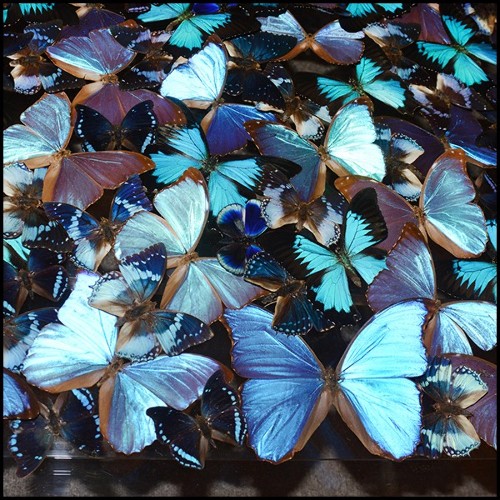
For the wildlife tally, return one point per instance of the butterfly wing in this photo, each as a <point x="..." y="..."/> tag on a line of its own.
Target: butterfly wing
<point x="452" y="219"/>
<point x="284" y="399"/>
<point x="129" y="199"/>
<point x="370" y="376"/>
<point x="95" y="130"/>
<point x="19" y="401"/>
<point x="138" y="128"/>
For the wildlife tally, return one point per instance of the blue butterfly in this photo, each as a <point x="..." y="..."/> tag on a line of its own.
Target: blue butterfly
<point x="409" y="274"/>
<point x="73" y="416"/>
<point x="348" y="148"/>
<point x="474" y="279"/>
<point x="19" y="400"/>
<point x="126" y="294"/>
<point x="40" y="273"/>
<point x="136" y="131"/>
<point x="199" y="82"/>
<point x="328" y="269"/>
<point x="459" y="56"/>
<point x="23" y="213"/>
<point x="294" y="313"/>
<point x="81" y="352"/>
<point x="199" y="286"/>
<point x="188" y="437"/>
<point x="94" y="239"/>
<point x="19" y="333"/>
<point x="453" y="389"/>
<point x="182" y="147"/>
<point x="370" y="76"/>
<point x="289" y="392"/>
<point x="240" y="226"/>
<point x="28" y="13"/>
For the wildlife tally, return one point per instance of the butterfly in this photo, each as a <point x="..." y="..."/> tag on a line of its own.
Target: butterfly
<point x="136" y="131"/>
<point x="19" y="332"/>
<point x="94" y="239"/>
<point x="282" y="204"/>
<point x="294" y="313"/>
<point x="400" y="152"/>
<point x="459" y="56"/>
<point x="199" y="82"/>
<point x="288" y="392"/>
<point x="446" y="211"/>
<point x="199" y="286"/>
<point x="361" y="14"/>
<point x="453" y="389"/>
<point x="84" y="355"/>
<point x="474" y="278"/>
<point x="188" y="437"/>
<point x="31" y="70"/>
<point x="371" y="76"/>
<point x="19" y="400"/>
<point x="97" y="57"/>
<point x="410" y="273"/>
<point x="308" y="118"/>
<point x="348" y="147"/>
<point x="330" y="42"/>
<point x="152" y="69"/>
<point x="327" y="270"/>
<point x="192" y="24"/>
<point x="181" y="147"/>
<point x="73" y="416"/>
<point x="248" y="55"/>
<point x="240" y="225"/>
<point x="127" y="294"/>
<point x="39" y="273"/>
<point x="45" y="134"/>
<point x="27" y="13"/>
<point x="23" y="214"/>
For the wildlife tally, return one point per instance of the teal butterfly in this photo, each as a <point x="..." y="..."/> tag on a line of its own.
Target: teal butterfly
<point x="459" y="56"/>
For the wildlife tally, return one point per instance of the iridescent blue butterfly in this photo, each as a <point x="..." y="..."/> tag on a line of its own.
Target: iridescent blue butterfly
<point x="188" y="437"/>
<point x="80" y="352"/>
<point x="473" y="278"/>
<point x="460" y="56"/>
<point x="181" y="147"/>
<point x="32" y="71"/>
<point x="370" y="76"/>
<point x="94" y="239"/>
<point x="19" y="400"/>
<point x="289" y="392"/>
<point x="26" y="13"/>
<point x="248" y="57"/>
<point x="135" y="133"/>
<point x="73" y="416"/>
<point x="199" y="286"/>
<point x="19" y="333"/>
<point x="362" y="14"/>
<point x="193" y="23"/>
<point x="199" y="82"/>
<point x="400" y="153"/>
<point x="326" y="38"/>
<point x="153" y="67"/>
<point x="328" y="269"/>
<point x="294" y="313"/>
<point x="240" y="226"/>
<point x="348" y="147"/>
<point x="40" y="273"/>
<point x="23" y="214"/>
<point x="409" y="274"/>
<point x="453" y="389"/>
<point x="127" y="294"/>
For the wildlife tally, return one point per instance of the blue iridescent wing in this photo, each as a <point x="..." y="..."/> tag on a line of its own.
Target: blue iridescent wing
<point x="281" y="398"/>
<point x="376" y="371"/>
<point x="129" y="199"/>
<point x="95" y="130"/>
<point x="181" y="433"/>
<point x="19" y="333"/>
<point x="19" y="400"/>
<point x="221" y="406"/>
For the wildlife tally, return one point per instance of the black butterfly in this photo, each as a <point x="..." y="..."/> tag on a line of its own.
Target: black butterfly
<point x="188" y="437"/>
<point x="136" y="131"/>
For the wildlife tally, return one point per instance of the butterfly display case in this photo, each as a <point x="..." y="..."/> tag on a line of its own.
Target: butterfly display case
<point x="249" y="241"/>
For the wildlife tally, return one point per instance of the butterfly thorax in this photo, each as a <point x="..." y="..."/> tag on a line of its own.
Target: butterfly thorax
<point x="356" y="86"/>
<point x="138" y="310"/>
<point x="204" y="426"/>
<point x="114" y="367"/>
<point x="246" y="64"/>
<point x="209" y="165"/>
<point x="25" y="277"/>
<point x="29" y="200"/>
<point x="331" y="379"/>
<point x="108" y="229"/>
<point x="349" y="268"/>
<point x="304" y="212"/>
<point x="186" y="259"/>
<point x="27" y="60"/>
<point x="292" y="287"/>
<point x="110" y="79"/>
<point x="393" y="53"/>
<point x="323" y="154"/>
<point x="450" y="409"/>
